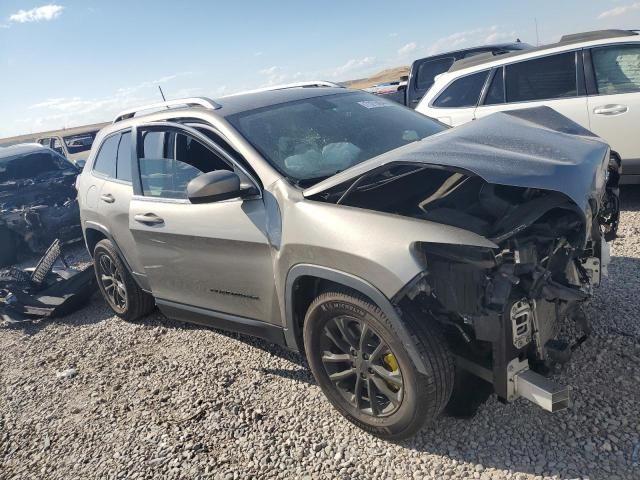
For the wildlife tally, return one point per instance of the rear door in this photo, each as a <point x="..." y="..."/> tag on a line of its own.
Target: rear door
<point x="456" y="104"/>
<point x="614" y="100"/>
<point x="213" y="256"/>
<point x="113" y="167"/>
<point x="556" y="81"/>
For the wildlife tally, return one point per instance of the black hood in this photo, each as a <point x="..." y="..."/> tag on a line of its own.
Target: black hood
<point x="531" y="148"/>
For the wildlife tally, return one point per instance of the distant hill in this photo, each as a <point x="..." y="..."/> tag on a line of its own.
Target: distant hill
<point x="388" y="75"/>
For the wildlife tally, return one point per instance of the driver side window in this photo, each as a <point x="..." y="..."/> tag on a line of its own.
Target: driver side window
<point x="170" y="160"/>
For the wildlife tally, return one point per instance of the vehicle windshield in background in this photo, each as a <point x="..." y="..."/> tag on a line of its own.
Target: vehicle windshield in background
<point x="312" y="139"/>
<point x="79" y="143"/>
<point x="31" y="165"/>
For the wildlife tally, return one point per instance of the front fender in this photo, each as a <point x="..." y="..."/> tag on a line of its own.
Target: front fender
<point x="353" y="282"/>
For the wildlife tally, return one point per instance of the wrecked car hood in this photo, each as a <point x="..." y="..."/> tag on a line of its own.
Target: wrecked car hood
<point x="530" y="148"/>
<point x="46" y="190"/>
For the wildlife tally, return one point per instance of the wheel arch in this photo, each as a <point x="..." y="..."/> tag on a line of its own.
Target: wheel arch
<point x="305" y="281"/>
<point x="92" y="236"/>
<point x="93" y="233"/>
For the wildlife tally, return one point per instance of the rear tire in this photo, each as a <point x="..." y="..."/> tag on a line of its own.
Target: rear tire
<point x="411" y="399"/>
<point x="119" y="289"/>
<point x="8" y="248"/>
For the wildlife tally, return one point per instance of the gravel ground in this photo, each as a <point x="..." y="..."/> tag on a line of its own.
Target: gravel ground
<point x="162" y="399"/>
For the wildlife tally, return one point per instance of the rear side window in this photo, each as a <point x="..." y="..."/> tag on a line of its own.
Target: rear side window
<point x="542" y="79"/>
<point x="106" y="160"/>
<point x="495" y="92"/>
<point x="617" y="69"/>
<point x="464" y="92"/>
<point x="427" y="71"/>
<point x="182" y="159"/>
<point x="123" y="168"/>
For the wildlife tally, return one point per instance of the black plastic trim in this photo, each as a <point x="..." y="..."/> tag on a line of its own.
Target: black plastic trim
<point x="589" y="74"/>
<point x="224" y="321"/>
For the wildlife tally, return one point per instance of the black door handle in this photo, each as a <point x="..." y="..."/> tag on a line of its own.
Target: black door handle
<point x="107" y="197"/>
<point x="148" y="219"/>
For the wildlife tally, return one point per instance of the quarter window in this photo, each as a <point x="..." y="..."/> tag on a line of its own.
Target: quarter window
<point x="183" y="159"/>
<point x="106" y="160"/>
<point x="617" y="69"/>
<point x="542" y="79"/>
<point x="123" y="168"/>
<point x="463" y="92"/>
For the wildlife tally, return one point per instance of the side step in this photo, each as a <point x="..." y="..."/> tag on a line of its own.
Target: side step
<point x="541" y="391"/>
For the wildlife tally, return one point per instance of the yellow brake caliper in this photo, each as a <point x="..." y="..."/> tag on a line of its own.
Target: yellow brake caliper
<point x="390" y="361"/>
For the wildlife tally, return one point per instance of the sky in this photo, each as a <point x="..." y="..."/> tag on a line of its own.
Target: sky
<point x="70" y="63"/>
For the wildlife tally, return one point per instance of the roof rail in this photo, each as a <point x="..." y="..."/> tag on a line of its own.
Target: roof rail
<point x="307" y="84"/>
<point x="564" y="41"/>
<point x="189" y="102"/>
<point x="595" y="35"/>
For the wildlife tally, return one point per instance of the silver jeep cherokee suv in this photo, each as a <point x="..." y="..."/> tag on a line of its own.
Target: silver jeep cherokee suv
<point x="412" y="263"/>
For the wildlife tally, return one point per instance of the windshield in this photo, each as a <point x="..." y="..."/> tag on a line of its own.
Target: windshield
<point x="312" y="139"/>
<point x="32" y="165"/>
<point x="79" y="143"/>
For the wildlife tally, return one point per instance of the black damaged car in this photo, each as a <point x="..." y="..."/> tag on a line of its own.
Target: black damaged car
<point x="37" y="200"/>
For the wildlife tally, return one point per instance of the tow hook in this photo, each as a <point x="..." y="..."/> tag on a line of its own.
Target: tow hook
<point x="523" y="382"/>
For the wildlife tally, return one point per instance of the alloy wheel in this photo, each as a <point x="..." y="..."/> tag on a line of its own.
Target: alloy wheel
<point x="112" y="282"/>
<point x="361" y="366"/>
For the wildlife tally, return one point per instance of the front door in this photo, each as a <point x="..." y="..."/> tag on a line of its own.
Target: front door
<point x="615" y="108"/>
<point x="214" y="256"/>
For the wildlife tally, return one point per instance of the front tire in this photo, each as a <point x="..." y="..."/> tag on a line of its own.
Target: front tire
<point x="365" y="371"/>
<point x="119" y="289"/>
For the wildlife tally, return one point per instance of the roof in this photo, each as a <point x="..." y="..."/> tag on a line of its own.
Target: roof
<point x="571" y="39"/>
<point x="488" y="48"/>
<point x="254" y="100"/>
<point x="20" y="149"/>
<point x="229" y="105"/>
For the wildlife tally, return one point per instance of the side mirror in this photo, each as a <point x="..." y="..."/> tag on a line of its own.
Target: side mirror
<point x="80" y="164"/>
<point x="214" y="186"/>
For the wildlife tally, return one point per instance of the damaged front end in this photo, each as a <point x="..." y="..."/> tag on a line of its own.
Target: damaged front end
<point x="513" y="311"/>
<point x="51" y="289"/>
<point x="517" y="307"/>
<point x="36" y="211"/>
<point x="37" y="225"/>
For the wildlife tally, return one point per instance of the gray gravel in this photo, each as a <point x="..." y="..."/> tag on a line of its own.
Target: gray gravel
<point x="91" y="396"/>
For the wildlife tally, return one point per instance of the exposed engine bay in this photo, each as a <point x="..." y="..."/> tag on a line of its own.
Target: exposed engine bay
<point x="37" y="210"/>
<point x="505" y="309"/>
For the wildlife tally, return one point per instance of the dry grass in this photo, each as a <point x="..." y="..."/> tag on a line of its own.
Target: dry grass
<point x="387" y="75"/>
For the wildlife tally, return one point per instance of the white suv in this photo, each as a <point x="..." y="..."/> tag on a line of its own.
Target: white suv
<point x="593" y="78"/>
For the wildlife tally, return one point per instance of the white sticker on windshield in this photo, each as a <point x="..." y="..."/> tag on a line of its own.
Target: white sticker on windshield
<point x="375" y="104"/>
